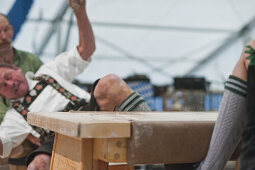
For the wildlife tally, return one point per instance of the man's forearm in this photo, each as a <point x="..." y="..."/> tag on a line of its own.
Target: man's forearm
<point x="86" y="45"/>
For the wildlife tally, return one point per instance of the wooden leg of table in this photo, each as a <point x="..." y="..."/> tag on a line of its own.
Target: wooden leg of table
<point x="237" y="165"/>
<point x="87" y="154"/>
<point x="100" y="165"/>
<point x="72" y="153"/>
<point x="111" y="150"/>
<point x="53" y="151"/>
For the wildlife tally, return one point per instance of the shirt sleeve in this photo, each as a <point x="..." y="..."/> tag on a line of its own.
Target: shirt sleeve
<point x="13" y="131"/>
<point x="68" y="65"/>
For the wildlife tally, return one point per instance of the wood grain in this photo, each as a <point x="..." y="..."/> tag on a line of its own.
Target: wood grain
<point x="108" y="124"/>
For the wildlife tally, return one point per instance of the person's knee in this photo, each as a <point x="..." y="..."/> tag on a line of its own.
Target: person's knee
<point x="110" y="91"/>
<point x="106" y="85"/>
<point x="108" y="81"/>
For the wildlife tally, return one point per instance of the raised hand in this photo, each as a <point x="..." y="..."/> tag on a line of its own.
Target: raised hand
<point x="77" y="4"/>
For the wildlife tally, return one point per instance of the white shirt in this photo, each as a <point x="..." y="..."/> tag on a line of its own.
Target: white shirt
<point x="14" y="128"/>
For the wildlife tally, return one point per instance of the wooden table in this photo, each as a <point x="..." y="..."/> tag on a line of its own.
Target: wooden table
<point x="90" y="140"/>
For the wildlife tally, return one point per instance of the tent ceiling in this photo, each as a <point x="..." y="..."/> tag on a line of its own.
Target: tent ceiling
<point x="159" y="38"/>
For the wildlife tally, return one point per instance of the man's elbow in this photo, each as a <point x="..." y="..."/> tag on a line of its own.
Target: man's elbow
<point x="86" y="54"/>
<point x="92" y="50"/>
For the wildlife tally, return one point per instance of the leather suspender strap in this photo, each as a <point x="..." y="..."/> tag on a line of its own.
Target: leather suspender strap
<point x="22" y="108"/>
<point x="51" y="81"/>
<point x="45" y="80"/>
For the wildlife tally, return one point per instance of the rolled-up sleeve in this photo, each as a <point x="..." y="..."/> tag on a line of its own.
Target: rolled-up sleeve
<point x="68" y="65"/>
<point x="7" y="146"/>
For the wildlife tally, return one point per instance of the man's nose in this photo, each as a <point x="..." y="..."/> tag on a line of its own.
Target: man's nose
<point x="9" y="83"/>
<point x="2" y="35"/>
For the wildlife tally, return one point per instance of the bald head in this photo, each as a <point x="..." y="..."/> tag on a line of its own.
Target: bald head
<point x="4" y="17"/>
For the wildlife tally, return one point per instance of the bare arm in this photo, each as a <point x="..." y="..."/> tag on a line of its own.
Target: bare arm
<point x="241" y="67"/>
<point x="86" y="45"/>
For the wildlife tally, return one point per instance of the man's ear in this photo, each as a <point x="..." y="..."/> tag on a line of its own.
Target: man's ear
<point x="2" y="95"/>
<point x="12" y="30"/>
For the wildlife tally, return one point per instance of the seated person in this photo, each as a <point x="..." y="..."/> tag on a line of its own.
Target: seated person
<point x="247" y="152"/>
<point x="232" y="117"/>
<point x="50" y="89"/>
<point x="231" y="120"/>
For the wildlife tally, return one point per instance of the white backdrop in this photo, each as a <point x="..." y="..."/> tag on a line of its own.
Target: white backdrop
<point x="159" y="38"/>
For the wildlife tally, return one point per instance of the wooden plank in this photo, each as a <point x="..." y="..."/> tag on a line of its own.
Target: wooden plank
<point x="110" y="150"/>
<point x="108" y="124"/>
<point x="100" y="165"/>
<point x="87" y="154"/>
<point x="105" y="130"/>
<point x="56" y="124"/>
<point x="237" y="165"/>
<point x="62" y="163"/>
<point x="82" y="125"/>
<point x="54" y="151"/>
<point x="72" y="153"/>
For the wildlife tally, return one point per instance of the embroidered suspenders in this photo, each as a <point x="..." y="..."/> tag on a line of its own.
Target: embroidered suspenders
<point x="22" y="108"/>
<point x="51" y="81"/>
<point x="45" y="80"/>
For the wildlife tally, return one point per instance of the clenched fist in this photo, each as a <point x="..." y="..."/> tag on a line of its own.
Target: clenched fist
<point x="76" y="4"/>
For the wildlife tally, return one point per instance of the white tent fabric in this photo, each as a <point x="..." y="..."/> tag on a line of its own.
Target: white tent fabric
<point x="159" y="38"/>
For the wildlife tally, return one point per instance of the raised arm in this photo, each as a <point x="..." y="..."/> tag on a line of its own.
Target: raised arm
<point x="86" y="45"/>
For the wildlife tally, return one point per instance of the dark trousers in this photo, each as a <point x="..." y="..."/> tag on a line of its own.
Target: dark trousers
<point x="186" y="166"/>
<point x="247" y="153"/>
<point x="247" y="156"/>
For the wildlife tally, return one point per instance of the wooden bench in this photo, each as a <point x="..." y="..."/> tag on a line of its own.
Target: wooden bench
<point x="92" y="140"/>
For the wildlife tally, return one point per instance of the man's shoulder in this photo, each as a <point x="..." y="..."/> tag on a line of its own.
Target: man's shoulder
<point x="26" y="61"/>
<point x="22" y="53"/>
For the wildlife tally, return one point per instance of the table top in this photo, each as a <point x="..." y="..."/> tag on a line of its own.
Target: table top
<point x="109" y="124"/>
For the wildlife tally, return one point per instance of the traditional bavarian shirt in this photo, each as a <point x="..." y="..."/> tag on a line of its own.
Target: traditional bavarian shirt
<point x="64" y="68"/>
